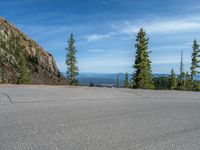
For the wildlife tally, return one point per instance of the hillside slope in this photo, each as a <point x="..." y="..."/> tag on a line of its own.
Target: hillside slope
<point x="41" y="64"/>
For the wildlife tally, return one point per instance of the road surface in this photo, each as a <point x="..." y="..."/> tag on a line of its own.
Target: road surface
<point x="83" y="118"/>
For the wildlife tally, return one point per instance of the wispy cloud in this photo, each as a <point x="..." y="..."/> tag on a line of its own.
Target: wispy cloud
<point x="172" y="47"/>
<point x="95" y="50"/>
<point x="153" y="26"/>
<point x="97" y="37"/>
<point x="161" y="26"/>
<point x="167" y="60"/>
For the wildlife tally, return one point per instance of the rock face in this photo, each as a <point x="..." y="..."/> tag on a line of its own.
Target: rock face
<point x="40" y="63"/>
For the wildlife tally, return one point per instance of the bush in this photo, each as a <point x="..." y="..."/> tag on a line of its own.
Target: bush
<point x="198" y="87"/>
<point x="161" y="83"/>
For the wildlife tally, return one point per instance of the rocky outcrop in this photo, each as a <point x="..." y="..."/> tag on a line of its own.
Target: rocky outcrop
<point x="40" y="63"/>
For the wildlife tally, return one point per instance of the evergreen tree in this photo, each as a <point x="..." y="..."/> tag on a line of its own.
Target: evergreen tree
<point x="188" y="82"/>
<point x="173" y="82"/>
<point x="126" y="81"/>
<point x="181" y="79"/>
<point x="143" y="73"/>
<point x="181" y="64"/>
<point x="161" y="83"/>
<point x="194" y="59"/>
<point x="24" y="73"/>
<point x="91" y="84"/>
<point x="71" y="62"/>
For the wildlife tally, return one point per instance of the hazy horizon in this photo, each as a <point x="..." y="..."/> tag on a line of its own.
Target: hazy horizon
<point x="105" y="30"/>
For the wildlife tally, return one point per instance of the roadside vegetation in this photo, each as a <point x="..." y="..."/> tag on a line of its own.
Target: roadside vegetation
<point x="11" y="52"/>
<point x="13" y="57"/>
<point x="142" y="76"/>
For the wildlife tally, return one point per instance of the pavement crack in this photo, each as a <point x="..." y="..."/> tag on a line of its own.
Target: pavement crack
<point x="9" y="98"/>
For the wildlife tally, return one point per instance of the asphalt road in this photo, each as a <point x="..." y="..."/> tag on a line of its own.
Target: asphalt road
<point x="83" y="118"/>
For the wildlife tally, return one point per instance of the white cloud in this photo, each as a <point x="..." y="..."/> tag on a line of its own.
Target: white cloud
<point x="169" y="60"/>
<point x="161" y="26"/>
<point x="128" y="28"/>
<point x="96" y="50"/>
<point x="153" y="26"/>
<point x="172" y="47"/>
<point x="96" y="37"/>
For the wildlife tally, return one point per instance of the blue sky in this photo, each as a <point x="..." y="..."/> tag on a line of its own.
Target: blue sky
<point x="105" y="30"/>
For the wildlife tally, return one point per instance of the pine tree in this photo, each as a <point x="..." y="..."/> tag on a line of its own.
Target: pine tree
<point x="71" y="62"/>
<point x="143" y="73"/>
<point x="91" y="84"/>
<point x="162" y="82"/>
<point x="24" y="73"/>
<point x="181" y="64"/>
<point x="194" y="59"/>
<point x="188" y="82"/>
<point x="181" y="79"/>
<point x="173" y="82"/>
<point x="126" y="81"/>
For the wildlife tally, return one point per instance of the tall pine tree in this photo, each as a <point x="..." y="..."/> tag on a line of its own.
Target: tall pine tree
<point x="71" y="62"/>
<point x="172" y="80"/>
<point x="143" y="73"/>
<point x="181" y="79"/>
<point x="188" y="82"/>
<point x="194" y="65"/>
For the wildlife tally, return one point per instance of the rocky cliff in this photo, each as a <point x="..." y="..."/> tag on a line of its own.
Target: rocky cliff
<point x="41" y="64"/>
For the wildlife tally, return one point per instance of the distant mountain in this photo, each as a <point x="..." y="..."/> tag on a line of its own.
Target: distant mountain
<point x="105" y="79"/>
<point x="38" y="62"/>
<point x="108" y="79"/>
